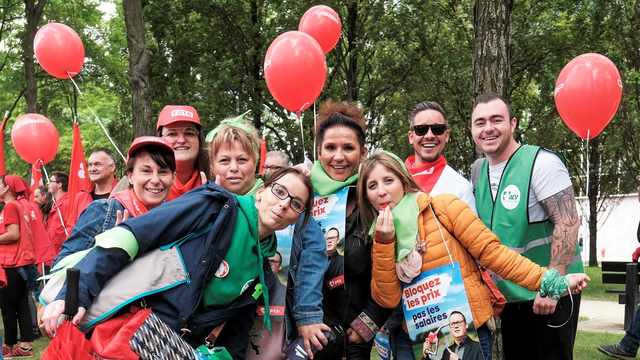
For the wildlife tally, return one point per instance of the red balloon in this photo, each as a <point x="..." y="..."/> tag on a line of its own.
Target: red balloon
<point x="59" y="50"/>
<point x="35" y="138"/>
<point x="587" y="94"/>
<point x="295" y="70"/>
<point x="323" y="24"/>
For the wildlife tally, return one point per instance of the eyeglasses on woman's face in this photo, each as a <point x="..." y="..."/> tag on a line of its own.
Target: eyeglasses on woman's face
<point x="282" y="193"/>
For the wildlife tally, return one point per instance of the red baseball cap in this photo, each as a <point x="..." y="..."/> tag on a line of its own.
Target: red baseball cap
<point x="147" y="141"/>
<point x="175" y="113"/>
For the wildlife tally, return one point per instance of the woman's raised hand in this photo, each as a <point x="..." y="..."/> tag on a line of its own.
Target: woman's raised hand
<point x="385" y="230"/>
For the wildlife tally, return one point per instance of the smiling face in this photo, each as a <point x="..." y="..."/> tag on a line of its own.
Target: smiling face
<point x="275" y="213"/>
<point x="99" y="167"/>
<point x="235" y="167"/>
<point x="492" y="130"/>
<point x="340" y="153"/>
<point x="151" y="183"/>
<point x="428" y="148"/>
<point x="185" y="148"/>
<point x="384" y="188"/>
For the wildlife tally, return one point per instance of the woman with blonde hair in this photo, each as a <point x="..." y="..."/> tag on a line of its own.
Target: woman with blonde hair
<point x="437" y="231"/>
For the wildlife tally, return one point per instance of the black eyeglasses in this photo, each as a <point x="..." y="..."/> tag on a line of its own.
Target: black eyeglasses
<point x="282" y="193"/>
<point x="436" y="129"/>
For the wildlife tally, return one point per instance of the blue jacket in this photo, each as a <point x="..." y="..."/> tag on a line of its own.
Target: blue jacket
<point x="307" y="264"/>
<point x="179" y="306"/>
<point x="98" y="217"/>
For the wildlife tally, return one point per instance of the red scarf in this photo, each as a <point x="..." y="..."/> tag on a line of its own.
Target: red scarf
<point x="131" y="203"/>
<point x="428" y="174"/>
<point x="178" y="189"/>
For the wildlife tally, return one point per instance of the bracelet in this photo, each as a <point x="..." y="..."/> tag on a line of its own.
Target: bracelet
<point x="383" y="242"/>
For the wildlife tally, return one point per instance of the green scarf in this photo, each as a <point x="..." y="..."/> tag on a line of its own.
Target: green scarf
<point x="405" y="221"/>
<point x="236" y="121"/>
<point x="323" y="184"/>
<point x="245" y="244"/>
<point x="254" y="189"/>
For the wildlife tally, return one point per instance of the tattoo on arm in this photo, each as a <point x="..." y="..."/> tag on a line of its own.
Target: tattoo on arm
<point x="561" y="210"/>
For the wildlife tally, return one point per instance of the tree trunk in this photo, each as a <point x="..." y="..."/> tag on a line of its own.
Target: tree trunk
<point x="594" y="161"/>
<point x="138" y="73"/>
<point x="492" y="71"/>
<point x="492" y="47"/>
<point x="33" y="14"/>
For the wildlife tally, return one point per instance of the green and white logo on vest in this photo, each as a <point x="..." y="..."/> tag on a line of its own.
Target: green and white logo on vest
<point x="510" y="197"/>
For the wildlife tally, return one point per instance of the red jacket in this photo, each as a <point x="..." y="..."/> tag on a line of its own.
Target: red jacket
<point x="84" y="198"/>
<point x="19" y="253"/>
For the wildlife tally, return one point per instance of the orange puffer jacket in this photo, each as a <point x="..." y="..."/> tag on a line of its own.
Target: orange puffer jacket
<point x="457" y="221"/>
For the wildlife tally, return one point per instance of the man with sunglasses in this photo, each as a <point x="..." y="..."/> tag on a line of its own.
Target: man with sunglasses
<point x="525" y="196"/>
<point x="428" y="134"/>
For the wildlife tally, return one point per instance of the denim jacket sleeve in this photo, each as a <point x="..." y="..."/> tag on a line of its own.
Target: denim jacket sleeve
<point x="307" y="266"/>
<point x="97" y="218"/>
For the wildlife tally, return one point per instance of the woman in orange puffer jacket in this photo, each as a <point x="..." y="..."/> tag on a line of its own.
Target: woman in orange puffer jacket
<point x="447" y="231"/>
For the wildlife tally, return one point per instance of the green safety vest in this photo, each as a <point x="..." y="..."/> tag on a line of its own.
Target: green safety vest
<point x="508" y="218"/>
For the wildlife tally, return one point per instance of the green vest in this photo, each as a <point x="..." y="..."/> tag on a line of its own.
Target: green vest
<point x="508" y="217"/>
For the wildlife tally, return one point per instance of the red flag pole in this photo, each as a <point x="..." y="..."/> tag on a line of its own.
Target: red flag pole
<point x="263" y="154"/>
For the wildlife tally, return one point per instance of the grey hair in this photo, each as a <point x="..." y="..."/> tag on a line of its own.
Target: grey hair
<point x="285" y="157"/>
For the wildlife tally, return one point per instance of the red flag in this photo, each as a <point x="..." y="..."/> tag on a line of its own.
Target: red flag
<point x="3" y="170"/>
<point x="263" y="154"/>
<point x="36" y="178"/>
<point x="78" y="169"/>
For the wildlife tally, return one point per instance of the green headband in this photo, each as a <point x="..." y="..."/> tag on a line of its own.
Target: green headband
<point x="398" y="159"/>
<point x="236" y="122"/>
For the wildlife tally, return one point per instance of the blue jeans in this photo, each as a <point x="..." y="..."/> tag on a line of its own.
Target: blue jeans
<point x="631" y="340"/>
<point x="404" y="349"/>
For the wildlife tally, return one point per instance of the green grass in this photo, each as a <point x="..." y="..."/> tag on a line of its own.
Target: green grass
<point x="38" y="346"/>
<point x="596" y="289"/>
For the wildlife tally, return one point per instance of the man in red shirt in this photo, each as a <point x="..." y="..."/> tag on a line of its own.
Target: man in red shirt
<point x="58" y="217"/>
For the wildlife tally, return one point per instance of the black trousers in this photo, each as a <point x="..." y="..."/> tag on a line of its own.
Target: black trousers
<point x="526" y="335"/>
<point x="15" y="308"/>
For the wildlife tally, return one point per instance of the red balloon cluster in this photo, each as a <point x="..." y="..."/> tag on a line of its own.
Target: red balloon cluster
<point x="295" y="68"/>
<point x="59" y="50"/>
<point x="35" y="138"/>
<point x="587" y="94"/>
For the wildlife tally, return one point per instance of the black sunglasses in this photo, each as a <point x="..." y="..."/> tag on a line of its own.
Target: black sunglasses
<point x="436" y="129"/>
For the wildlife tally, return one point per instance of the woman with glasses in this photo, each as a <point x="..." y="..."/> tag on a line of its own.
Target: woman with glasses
<point x="213" y="249"/>
<point x="234" y="156"/>
<point x="444" y="230"/>
<point x="151" y="172"/>
<point x="180" y="126"/>
<point x="351" y="312"/>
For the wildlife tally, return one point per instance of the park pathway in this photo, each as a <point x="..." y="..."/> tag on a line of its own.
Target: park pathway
<point x="602" y="316"/>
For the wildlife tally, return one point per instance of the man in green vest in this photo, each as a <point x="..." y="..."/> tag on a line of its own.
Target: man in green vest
<point x="524" y="195"/>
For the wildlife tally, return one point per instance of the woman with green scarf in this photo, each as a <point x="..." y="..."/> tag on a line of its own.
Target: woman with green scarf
<point x="233" y="150"/>
<point x="349" y="310"/>
<point x="414" y="232"/>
